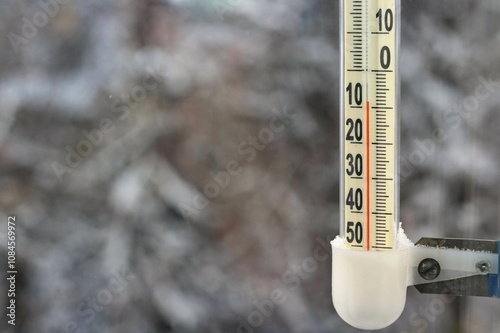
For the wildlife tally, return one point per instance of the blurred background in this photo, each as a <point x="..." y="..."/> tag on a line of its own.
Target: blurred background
<point x="174" y="164"/>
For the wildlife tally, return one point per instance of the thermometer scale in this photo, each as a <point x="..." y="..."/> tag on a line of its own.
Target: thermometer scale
<point x="369" y="114"/>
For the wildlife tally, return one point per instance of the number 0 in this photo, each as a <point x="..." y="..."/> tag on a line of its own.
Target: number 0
<point x="385" y="57"/>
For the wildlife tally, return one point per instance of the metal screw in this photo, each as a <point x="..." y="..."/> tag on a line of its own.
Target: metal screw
<point x="483" y="266"/>
<point x="429" y="269"/>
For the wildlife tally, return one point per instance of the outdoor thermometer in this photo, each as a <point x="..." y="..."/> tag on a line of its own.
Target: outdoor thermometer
<point x="369" y="114"/>
<point x="373" y="261"/>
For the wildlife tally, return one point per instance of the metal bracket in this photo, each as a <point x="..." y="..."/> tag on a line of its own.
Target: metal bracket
<point x="460" y="267"/>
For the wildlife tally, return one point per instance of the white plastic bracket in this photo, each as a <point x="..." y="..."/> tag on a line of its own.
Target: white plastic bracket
<point x="369" y="287"/>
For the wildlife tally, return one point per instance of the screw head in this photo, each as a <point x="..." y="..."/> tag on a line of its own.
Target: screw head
<point x="483" y="266"/>
<point x="429" y="269"/>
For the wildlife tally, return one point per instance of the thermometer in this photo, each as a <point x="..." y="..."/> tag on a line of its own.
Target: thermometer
<point x="369" y="114"/>
<point x="373" y="262"/>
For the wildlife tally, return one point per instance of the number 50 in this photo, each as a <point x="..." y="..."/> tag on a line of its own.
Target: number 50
<point x="354" y="232"/>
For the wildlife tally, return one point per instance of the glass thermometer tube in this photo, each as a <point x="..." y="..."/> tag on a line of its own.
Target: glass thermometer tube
<point x="369" y="123"/>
